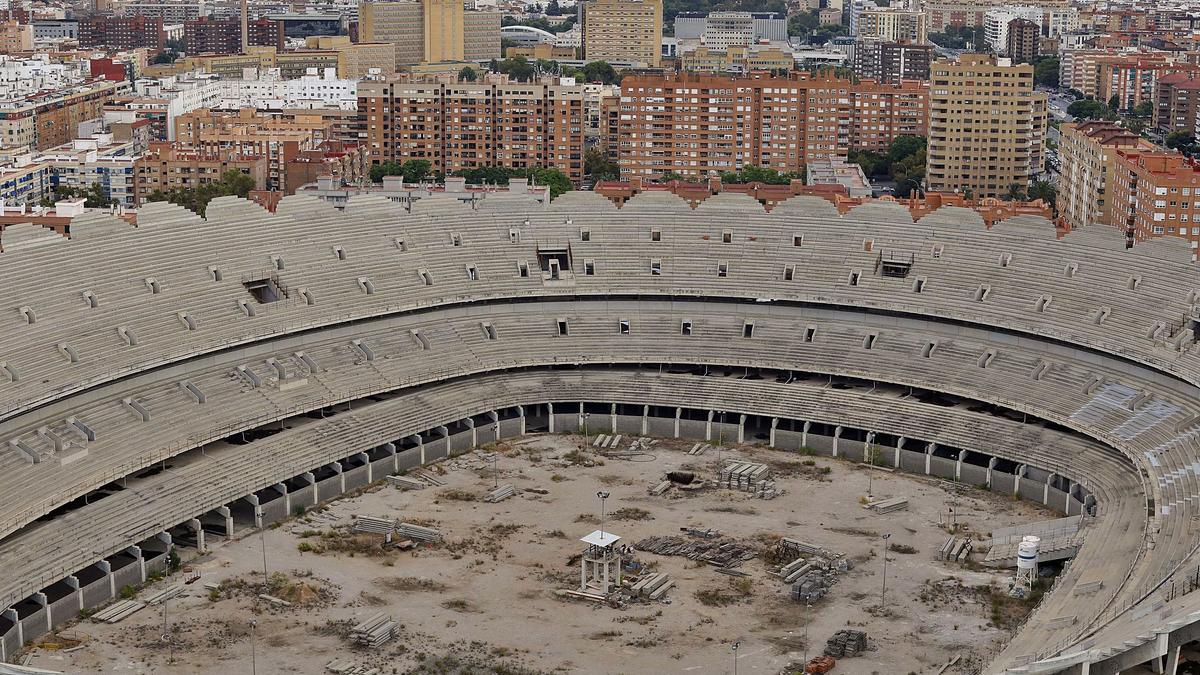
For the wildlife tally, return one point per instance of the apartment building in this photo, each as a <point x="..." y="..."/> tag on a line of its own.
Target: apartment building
<point x="971" y="13"/>
<point x="997" y="20"/>
<point x="1176" y="102"/>
<point x="213" y="134"/>
<point x="891" y="24"/>
<point x="470" y="125"/>
<point x="1157" y="195"/>
<point x="1088" y="151"/>
<point x="425" y="31"/>
<point x="132" y="32"/>
<point x="224" y="36"/>
<point x="47" y="119"/>
<point x="15" y="37"/>
<point x="1021" y="42"/>
<point x="695" y="124"/>
<point x="741" y="59"/>
<point x="628" y="31"/>
<point x="891" y="62"/>
<point x="166" y="167"/>
<point x="1130" y="78"/>
<point x="357" y="59"/>
<point x="987" y="126"/>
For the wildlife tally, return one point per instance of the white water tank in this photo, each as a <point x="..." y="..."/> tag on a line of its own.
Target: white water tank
<point x="1027" y="552"/>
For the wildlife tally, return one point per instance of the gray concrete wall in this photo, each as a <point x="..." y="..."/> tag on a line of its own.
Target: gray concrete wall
<point x="356" y="478"/>
<point x="156" y="564"/>
<point x="690" y="429"/>
<point x="725" y="433"/>
<point x="939" y="466"/>
<point x="787" y="440"/>
<point x="11" y="642"/>
<point x="96" y="592"/>
<point x="822" y="445"/>
<point x="382" y="467"/>
<point x="409" y="459"/>
<point x="1002" y="483"/>
<point x="329" y="488"/>
<point x="437" y="449"/>
<point x="975" y="475"/>
<point x="627" y="425"/>
<point x="1058" y="500"/>
<point x="510" y="428"/>
<point x="64" y="610"/>
<point x="34" y="625"/>
<point x="568" y="421"/>
<point x="661" y="427"/>
<point x="460" y="442"/>
<point x="913" y="462"/>
<point x="275" y="511"/>
<point x="129" y="575"/>
<point x="1031" y="490"/>
<point x="302" y="497"/>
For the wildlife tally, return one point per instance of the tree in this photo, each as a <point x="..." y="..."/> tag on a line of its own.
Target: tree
<point x="1045" y="72"/>
<point x="597" y="165"/>
<point x="556" y="180"/>
<point x="755" y="174"/>
<point x="552" y="8"/>
<point x="601" y="71"/>
<point x="904" y="147"/>
<point x="1043" y="190"/>
<point x="1089" y="109"/>
<point x="802" y="24"/>
<point x="827" y="32"/>
<point x="415" y="170"/>
<point x="232" y="182"/>
<point x="176" y="45"/>
<point x="1114" y="102"/>
<point x="959" y="37"/>
<point x="1143" y="109"/>
<point x="467" y="74"/>
<point x="518" y="68"/>
<point x="165" y="56"/>
<point x="1016" y="193"/>
<point x="872" y="163"/>
<point x="1180" y="140"/>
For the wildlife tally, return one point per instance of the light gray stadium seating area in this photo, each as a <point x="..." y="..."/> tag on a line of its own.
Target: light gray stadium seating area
<point x="344" y="345"/>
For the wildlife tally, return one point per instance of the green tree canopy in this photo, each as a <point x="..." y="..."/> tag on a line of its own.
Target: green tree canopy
<point x="756" y="174"/>
<point x="1045" y="72"/>
<point x="1043" y="190"/>
<point x="232" y="182"/>
<point x="597" y="165"/>
<point x="1089" y="109"/>
<point x="467" y="74"/>
<point x="556" y="180"/>
<point x="1180" y="140"/>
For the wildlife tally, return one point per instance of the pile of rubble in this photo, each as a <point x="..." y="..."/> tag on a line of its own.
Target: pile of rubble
<point x="720" y="553"/>
<point x="846" y="642"/>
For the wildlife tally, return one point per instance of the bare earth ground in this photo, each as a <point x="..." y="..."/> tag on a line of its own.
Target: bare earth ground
<point x="486" y="596"/>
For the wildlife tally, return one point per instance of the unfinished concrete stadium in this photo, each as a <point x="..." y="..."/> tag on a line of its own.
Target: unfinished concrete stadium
<point x="1063" y="370"/>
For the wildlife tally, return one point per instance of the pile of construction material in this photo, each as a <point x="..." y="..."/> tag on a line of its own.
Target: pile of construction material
<point x="812" y="572"/>
<point x="748" y="477"/>
<point x="474" y="461"/>
<point x="846" y="642"/>
<point x="426" y="476"/>
<point x="406" y="483"/>
<point x="375" y="631"/>
<point x="888" y="505"/>
<point x="117" y="611"/>
<point x="374" y="525"/>
<point x="718" y="553"/>
<point x="606" y="441"/>
<point x="706" y="533"/>
<point x="349" y="668"/>
<point x="794" y="548"/>
<point x="699" y="448"/>
<point x="500" y="494"/>
<point x="164" y="594"/>
<point x="653" y="586"/>
<point x="955" y="550"/>
<point x="811" y="587"/>
<point x="660" y="487"/>
<point x="419" y="533"/>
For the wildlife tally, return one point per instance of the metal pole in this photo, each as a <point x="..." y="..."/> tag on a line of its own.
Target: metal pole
<point x="495" y="469"/>
<point x="883" y="594"/>
<point x="262" y="535"/>
<point x="603" y="496"/>
<point x="253" y="660"/>
<point x="735" y="650"/>
<point x="807" y="618"/>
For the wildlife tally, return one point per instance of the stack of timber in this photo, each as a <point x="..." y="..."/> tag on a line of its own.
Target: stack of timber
<point x="718" y="553"/>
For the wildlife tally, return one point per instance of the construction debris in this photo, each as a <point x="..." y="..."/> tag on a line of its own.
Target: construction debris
<point x="955" y="550"/>
<point x="813" y="570"/>
<point x="846" y="642"/>
<point x="349" y="668"/>
<point x="718" y="553"/>
<point x="660" y="488"/>
<point x="375" y="631"/>
<point x="888" y="505"/>
<point x="698" y="449"/>
<point x="117" y="611"/>
<point x="428" y="477"/>
<point x="406" y="483"/>
<point x="374" y="525"/>
<point x="279" y="602"/>
<point x="707" y="533"/>
<point x="748" y="477"/>
<point x="653" y="586"/>
<point x="164" y="594"/>
<point x="500" y="494"/>
<point x="410" y="531"/>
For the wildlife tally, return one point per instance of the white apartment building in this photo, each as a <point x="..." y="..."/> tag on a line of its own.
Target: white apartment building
<point x="996" y="20"/>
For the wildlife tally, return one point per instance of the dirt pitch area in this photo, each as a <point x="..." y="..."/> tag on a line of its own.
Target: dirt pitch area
<point x="484" y="600"/>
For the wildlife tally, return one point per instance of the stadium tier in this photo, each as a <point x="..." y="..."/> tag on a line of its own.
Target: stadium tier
<point x="274" y="360"/>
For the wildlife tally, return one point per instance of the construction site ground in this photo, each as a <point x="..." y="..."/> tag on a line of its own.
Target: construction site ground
<point x="485" y="597"/>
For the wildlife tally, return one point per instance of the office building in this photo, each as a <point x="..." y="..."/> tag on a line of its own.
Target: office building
<point x="721" y="30"/>
<point x="628" y="31"/>
<point x="695" y="124"/>
<point x="472" y="125"/>
<point x="357" y="59"/>
<point x="987" y="126"/>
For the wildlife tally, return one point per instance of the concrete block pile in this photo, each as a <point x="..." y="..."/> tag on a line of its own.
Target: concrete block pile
<point x="846" y="642"/>
<point x="748" y="477"/>
<point x="375" y="631"/>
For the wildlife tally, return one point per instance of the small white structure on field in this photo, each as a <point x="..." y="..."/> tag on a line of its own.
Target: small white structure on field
<point x="600" y="566"/>
<point x="1027" y="561"/>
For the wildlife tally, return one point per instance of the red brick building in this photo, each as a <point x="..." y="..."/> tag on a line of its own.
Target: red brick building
<point x="1176" y="100"/>
<point x="217" y="36"/>
<point x="130" y="32"/>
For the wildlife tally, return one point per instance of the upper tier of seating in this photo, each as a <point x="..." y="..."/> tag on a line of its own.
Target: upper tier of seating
<point x="116" y="300"/>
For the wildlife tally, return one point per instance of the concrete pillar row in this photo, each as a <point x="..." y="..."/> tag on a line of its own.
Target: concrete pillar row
<point x="225" y="513"/>
<point x="281" y="488"/>
<point x="40" y="599"/>
<point x="11" y="615"/>
<point x="312" y="481"/>
<point x="837" y="437"/>
<point x="366" y="460"/>
<point x="896" y="454"/>
<point x="197" y="528"/>
<point x="804" y="434"/>
<point x="990" y="468"/>
<point x="470" y="422"/>
<point x="612" y="417"/>
<point x="678" y="416"/>
<point x="962" y="455"/>
<point x="421" y="445"/>
<point x="445" y="432"/>
<point x="645" y="420"/>
<point x="741" y="429"/>
<point x="774" y="425"/>
<point x="256" y="505"/>
<point x="136" y="552"/>
<point x="929" y="448"/>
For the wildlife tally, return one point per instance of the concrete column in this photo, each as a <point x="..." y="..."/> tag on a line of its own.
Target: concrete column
<point x="445" y="432"/>
<point x="287" y="498"/>
<point x="257" y="506"/>
<point x="837" y="436"/>
<point x="40" y="599"/>
<point x="470" y="422"/>
<point x="225" y="513"/>
<point x="645" y="419"/>
<point x="312" y="480"/>
<point x="73" y="582"/>
<point x="991" y="467"/>
<point x="366" y="460"/>
<point x="421" y="445"/>
<point x="136" y="552"/>
<point x="962" y="455"/>
<point x="678" y="416"/>
<point x="867" y="443"/>
<point x="550" y="413"/>
<point x="521" y="412"/>
<point x="804" y="434"/>
<point x="741" y="429"/>
<point x="612" y="415"/>
<point x="1017" y="476"/>
<point x="11" y="615"/>
<point x="391" y="449"/>
<point x="194" y="523"/>
<point x="774" y="424"/>
<point x="106" y="568"/>
<point x="929" y="456"/>
<point x="708" y="426"/>
<point x="1046" y="490"/>
<point x="1172" y="665"/>
<point x="583" y="573"/>
<point x="341" y="475"/>
<point x="896" y="455"/>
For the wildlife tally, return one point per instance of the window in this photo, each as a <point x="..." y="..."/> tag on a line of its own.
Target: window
<point x="656" y="235"/>
<point x="919" y="285"/>
<point x="685" y="328"/>
<point x="585" y="235"/>
<point x="797" y="240"/>
<point x="523" y="269"/>
<point x="277" y="260"/>
<point x="426" y="277"/>
<point x="982" y="293"/>
<point x="214" y="273"/>
<point x="264" y="290"/>
<point x="400" y="245"/>
<point x="514" y="235"/>
<point x="589" y="268"/>
<point x="727" y="236"/>
<point x="722" y="269"/>
<point x="472" y="273"/>
<point x="455" y="239"/>
<point x="656" y="267"/>
<point x="854" y="277"/>
<point x="562" y="327"/>
<point x="869" y="340"/>
<point x="748" y="329"/>
<point x="623" y="326"/>
<point x="789" y="271"/>
<point x="339" y="252"/>
<point x="810" y="333"/>
<point x="489" y="331"/>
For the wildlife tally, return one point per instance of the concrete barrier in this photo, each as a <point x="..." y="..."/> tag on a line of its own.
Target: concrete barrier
<point x="356" y="478"/>
<point x="912" y="462"/>
<point x="97" y="592"/>
<point x="409" y="459"/>
<point x="34" y="624"/>
<point x="975" y="475"/>
<point x="941" y="467"/>
<point x="64" y="609"/>
<point x="329" y="488"/>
